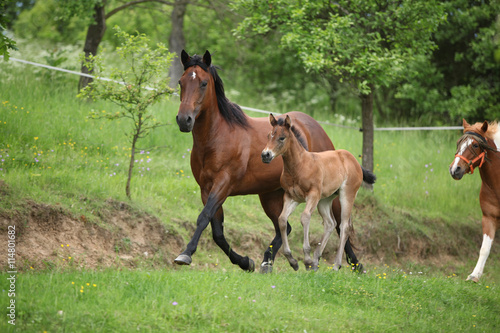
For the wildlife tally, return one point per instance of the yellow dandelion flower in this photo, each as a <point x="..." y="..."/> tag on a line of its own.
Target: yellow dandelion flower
<point x="72" y="282"/>
<point x="88" y="284"/>
<point x="36" y="138"/>
<point x="81" y="290"/>
<point x="62" y="245"/>
<point x="94" y="285"/>
<point x="69" y="258"/>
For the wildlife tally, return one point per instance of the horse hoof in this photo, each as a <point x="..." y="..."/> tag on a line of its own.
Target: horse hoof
<point x="472" y="278"/>
<point x="183" y="259"/>
<point x="251" y="266"/>
<point x="295" y="266"/>
<point x="357" y="268"/>
<point x="336" y="267"/>
<point x="266" y="268"/>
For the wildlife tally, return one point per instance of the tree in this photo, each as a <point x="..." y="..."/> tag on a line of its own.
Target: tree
<point x="6" y="43"/>
<point x="364" y="42"/>
<point x="462" y="77"/>
<point x="134" y="90"/>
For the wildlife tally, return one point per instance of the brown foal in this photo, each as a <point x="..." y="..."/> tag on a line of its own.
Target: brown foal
<point x="316" y="179"/>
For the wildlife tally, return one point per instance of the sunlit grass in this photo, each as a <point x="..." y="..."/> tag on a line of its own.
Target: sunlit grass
<point x="384" y="299"/>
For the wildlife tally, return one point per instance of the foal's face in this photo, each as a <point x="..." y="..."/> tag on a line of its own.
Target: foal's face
<point x="277" y="139"/>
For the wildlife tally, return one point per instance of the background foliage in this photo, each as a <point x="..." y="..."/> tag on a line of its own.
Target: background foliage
<point x="460" y="78"/>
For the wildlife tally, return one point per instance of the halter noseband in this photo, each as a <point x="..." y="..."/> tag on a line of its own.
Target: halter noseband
<point x="481" y="156"/>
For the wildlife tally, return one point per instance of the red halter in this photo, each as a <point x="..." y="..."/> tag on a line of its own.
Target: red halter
<point x="470" y="163"/>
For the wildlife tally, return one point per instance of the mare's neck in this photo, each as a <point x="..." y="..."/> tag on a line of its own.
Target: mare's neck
<point x="209" y="124"/>
<point x="489" y="170"/>
<point x="294" y="157"/>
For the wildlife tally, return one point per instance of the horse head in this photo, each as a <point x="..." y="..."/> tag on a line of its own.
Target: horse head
<point x="471" y="150"/>
<point x="197" y="87"/>
<point x="277" y="139"/>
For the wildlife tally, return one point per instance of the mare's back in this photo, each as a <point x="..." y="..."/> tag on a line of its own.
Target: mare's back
<point x="315" y="135"/>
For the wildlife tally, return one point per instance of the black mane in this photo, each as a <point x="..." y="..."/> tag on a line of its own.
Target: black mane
<point x="296" y="132"/>
<point x="230" y="111"/>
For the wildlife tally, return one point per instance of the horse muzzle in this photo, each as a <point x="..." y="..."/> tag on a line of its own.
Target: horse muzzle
<point x="457" y="172"/>
<point x="267" y="156"/>
<point x="185" y="122"/>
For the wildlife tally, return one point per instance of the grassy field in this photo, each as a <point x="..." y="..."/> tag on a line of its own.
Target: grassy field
<point x="52" y="154"/>
<point x="384" y="300"/>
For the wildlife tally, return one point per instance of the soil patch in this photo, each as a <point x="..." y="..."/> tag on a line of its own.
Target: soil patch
<point x="48" y="236"/>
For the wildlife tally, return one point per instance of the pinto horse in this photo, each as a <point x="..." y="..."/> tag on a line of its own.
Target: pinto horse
<point x="315" y="178"/>
<point x="225" y="158"/>
<point x="479" y="147"/>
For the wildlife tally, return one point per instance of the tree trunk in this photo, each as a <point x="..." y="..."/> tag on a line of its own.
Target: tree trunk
<point x="95" y="33"/>
<point x="176" y="41"/>
<point x="367" y="125"/>
<point x="137" y="135"/>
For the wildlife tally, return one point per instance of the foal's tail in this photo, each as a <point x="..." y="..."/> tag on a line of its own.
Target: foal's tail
<point x="368" y="176"/>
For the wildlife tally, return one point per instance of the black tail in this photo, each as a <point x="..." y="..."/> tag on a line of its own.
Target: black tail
<point x="368" y="176"/>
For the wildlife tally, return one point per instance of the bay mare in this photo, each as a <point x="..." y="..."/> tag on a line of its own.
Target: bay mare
<point x="315" y="178"/>
<point x="225" y="159"/>
<point x="479" y="148"/>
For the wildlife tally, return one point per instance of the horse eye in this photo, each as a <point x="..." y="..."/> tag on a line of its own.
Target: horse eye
<point x="475" y="145"/>
<point x="203" y="84"/>
<point x="282" y="139"/>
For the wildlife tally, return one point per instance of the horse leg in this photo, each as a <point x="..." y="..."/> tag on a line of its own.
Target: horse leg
<point x="288" y="207"/>
<point x="212" y="200"/>
<point x="305" y="219"/>
<point x="488" y="236"/>
<point x="346" y="197"/>
<point x="324" y="209"/>
<point x="272" y="203"/>
<point x="217" y="221"/>
<point x="350" y="256"/>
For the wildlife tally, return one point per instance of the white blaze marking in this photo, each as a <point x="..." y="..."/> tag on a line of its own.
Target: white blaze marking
<point x="462" y="149"/>
<point x="267" y="150"/>
<point x="193" y="75"/>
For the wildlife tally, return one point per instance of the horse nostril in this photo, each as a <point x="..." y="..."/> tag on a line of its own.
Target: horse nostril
<point x="189" y="120"/>
<point x="266" y="156"/>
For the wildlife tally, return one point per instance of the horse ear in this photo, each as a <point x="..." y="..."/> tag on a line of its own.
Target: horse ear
<point x="288" y="122"/>
<point x="465" y="124"/>
<point x="207" y="58"/>
<point x="272" y="120"/>
<point x="484" y="127"/>
<point x="185" y="57"/>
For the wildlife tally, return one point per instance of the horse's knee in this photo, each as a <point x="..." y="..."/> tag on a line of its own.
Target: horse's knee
<point x="218" y="237"/>
<point x="305" y="217"/>
<point x="283" y="224"/>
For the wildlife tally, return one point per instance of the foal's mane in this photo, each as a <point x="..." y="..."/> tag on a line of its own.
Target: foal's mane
<point x="230" y="111"/>
<point x="296" y="133"/>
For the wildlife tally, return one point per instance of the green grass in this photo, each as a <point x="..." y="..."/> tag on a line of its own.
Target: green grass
<point x="187" y="300"/>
